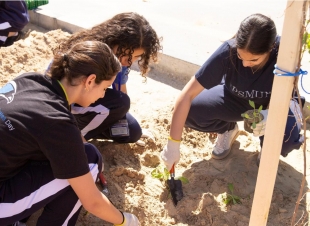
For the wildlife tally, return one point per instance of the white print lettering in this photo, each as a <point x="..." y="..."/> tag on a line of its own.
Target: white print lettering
<point x="10" y="126"/>
<point x="251" y="94"/>
<point x="6" y="121"/>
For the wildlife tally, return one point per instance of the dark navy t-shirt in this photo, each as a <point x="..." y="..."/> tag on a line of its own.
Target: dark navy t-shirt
<point x="224" y="66"/>
<point x="36" y="125"/>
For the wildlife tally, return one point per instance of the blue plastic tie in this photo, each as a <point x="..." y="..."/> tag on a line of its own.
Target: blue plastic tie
<point x="287" y="73"/>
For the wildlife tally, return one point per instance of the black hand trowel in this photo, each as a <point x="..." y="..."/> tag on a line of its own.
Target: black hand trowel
<point x="175" y="187"/>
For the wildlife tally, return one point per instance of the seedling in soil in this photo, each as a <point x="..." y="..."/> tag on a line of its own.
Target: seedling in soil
<point x="230" y="198"/>
<point x="174" y="184"/>
<point x="162" y="173"/>
<point x="252" y="117"/>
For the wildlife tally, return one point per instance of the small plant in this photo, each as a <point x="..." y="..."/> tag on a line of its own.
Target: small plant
<point x="255" y="114"/>
<point x="230" y="198"/>
<point x="252" y="117"/>
<point x="160" y="172"/>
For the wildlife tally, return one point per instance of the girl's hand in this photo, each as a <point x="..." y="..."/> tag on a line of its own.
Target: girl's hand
<point x="129" y="220"/>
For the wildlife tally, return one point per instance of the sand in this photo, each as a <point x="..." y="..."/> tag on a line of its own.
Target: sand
<point x="128" y="167"/>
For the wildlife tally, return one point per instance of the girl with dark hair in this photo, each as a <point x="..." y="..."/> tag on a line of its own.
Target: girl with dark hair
<point x="131" y="38"/>
<point x="44" y="162"/>
<point x="241" y="69"/>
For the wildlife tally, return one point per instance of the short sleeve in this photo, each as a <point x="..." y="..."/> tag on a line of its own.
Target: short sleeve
<point x="213" y="70"/>
<point x="63" y="146"/>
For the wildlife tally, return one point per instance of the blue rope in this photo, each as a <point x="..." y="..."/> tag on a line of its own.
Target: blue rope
<point x="287" y="73"/>
<point x="301" y="84"/>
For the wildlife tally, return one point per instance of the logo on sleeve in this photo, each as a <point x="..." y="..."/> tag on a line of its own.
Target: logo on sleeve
<point x="8" y="91"/>
<point x="6" y="121"/>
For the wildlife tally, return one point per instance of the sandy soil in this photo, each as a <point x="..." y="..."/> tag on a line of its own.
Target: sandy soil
<point x="128" y="167"/>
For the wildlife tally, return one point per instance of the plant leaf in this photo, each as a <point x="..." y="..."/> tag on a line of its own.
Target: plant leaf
<point x="225" y="199"/>
<point x="156" y="174"/>
<point x="166" y="174"/>
<point x="237" y="199"/>
<point x="160" y="172"/>
<point x="228" y="201"/>
<point x="245" y="115"/>
<point x="254" y="125"/>
<point x="305" y="38"/>
<point x="231" y="187"/>
<point x="183" y="179"/>
<point x="260" y="108"/>
<point x="252" y="104"/>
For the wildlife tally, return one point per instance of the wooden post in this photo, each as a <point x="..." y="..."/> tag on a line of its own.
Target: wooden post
<point x="289" y="53"/>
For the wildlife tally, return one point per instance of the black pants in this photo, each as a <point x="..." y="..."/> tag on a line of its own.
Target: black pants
<point x="35" y="187"/>
<point x="5" y="29"/>
<point x="217" y="110"/>
<point x="95" y="121"/>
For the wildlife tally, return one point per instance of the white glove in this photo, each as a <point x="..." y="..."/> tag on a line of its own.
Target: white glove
<point x="146" y="134"/>
<point x="129" y="220"/>
<point x="259" y="130"/>
<point x="171" y="153"/>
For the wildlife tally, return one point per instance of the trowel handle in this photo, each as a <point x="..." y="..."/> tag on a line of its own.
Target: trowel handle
<point x="172" y="170"/>
<point x="102" y="180"/>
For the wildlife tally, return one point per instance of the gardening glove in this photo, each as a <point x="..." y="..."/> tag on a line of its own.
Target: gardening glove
<point x="146" y="134"/>
<point x="171" y="153"/>
<point x="129" y="220"/>
<point x="259" y="129"/>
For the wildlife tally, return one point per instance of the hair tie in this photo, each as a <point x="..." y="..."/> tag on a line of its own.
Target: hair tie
<point x="65" y="62"/>
<point x="65" y="57"/>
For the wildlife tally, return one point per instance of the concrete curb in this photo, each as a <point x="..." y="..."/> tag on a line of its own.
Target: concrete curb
<point x="51" y="23"/>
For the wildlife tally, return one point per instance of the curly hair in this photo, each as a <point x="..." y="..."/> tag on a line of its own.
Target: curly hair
<point x="128" y="31"/>
<point x="83" y="59"/>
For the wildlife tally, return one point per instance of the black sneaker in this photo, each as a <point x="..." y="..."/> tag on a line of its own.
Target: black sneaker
<point x="10" y="40"/>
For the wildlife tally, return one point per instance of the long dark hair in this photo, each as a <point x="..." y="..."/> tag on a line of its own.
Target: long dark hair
<point x="83" y="59"/>
<point x="128" y="31"/>
<point x="256" y="34"/>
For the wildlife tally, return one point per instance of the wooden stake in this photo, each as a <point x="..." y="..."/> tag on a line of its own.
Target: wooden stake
<point x="289" y="53"/>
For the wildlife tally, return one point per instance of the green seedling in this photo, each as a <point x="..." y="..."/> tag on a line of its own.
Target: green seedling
<point x="254" y="117"/>
<point x="160" y="172"/>
<point x="230" y="198"/>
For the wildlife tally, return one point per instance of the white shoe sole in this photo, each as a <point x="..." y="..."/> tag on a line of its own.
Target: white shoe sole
<point x="226" y="152"/>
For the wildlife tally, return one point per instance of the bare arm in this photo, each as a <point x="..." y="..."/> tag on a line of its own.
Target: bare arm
<point x="83" y="139"/>
<point x="93" y="200"/>
<point x="124" y="88"/>
<point x="182" y="106"/>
